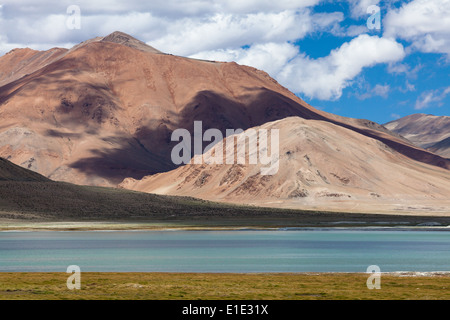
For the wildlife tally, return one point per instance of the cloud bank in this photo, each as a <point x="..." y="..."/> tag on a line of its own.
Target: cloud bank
<point x="261" y="33"/>
<point x="426" y="23"/>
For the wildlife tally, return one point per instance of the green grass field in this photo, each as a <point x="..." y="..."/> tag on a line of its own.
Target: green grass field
<point x="185" y="286"/>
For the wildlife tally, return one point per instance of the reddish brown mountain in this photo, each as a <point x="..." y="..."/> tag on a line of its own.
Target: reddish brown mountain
<point x="105" y="110"/>
<point x="21" y="62"/>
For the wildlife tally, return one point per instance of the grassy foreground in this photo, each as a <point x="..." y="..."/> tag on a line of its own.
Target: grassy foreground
<point x="186" y="286"/>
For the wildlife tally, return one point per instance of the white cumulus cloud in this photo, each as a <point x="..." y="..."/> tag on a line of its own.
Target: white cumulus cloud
<point x="270" y="57"/>
<point x="358" y="8"/>
<point x="323" y="78"/>
<point x="190" y="36"/>
<point x="426" y="23"/>
<point x="431" y="98"/>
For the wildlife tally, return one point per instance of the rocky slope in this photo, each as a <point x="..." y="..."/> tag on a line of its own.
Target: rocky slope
<point x="426" y="131"/>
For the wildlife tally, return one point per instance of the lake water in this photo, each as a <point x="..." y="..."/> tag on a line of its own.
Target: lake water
<point x="226" y="251"/>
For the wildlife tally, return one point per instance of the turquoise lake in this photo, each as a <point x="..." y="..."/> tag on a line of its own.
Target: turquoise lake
<point x="226" y="251"/>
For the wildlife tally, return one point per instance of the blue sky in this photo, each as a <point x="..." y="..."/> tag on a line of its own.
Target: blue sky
<point x="406" y="85"/>
<point x="323" y="51"/>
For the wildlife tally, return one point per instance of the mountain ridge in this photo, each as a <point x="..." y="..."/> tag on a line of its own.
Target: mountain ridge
<point x="104" y="111"/>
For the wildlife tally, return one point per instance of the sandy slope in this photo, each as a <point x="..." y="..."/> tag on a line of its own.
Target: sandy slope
<point x="105" y="109"/>
<point x="322" y="166"/>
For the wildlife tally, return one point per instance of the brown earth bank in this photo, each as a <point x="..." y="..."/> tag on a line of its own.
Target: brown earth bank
<point x="62" y="206"/>
<point x="29" y="201"/>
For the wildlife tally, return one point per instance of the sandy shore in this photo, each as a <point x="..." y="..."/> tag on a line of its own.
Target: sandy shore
<point x="406" y="223"/>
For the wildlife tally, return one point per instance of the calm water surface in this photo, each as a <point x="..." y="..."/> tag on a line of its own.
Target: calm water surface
<point x="226" y="251"/>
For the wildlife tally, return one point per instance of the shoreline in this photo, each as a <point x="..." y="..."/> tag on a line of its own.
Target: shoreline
<point x="299" y="273"/>
<point x="112" y="226"/>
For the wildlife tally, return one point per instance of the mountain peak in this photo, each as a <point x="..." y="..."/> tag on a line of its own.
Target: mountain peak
<point x="129" y="41"/>
<point x="119" y="37"/>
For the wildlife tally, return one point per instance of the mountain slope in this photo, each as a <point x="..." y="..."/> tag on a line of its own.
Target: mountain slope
<point x="426" y="131"/>
<point x="12" y="172"/>
<point x="105" y="110"/>
<point x="20" y="62"/>
<point x="321" y="166"/>
<point x="26" y="195"/>
<point x="27" y="198"/>
<point x="441" y="148"/>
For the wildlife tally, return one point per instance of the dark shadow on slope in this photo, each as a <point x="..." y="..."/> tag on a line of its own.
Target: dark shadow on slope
<point x="60" y="134"/>
<point x="130" y="159"/>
